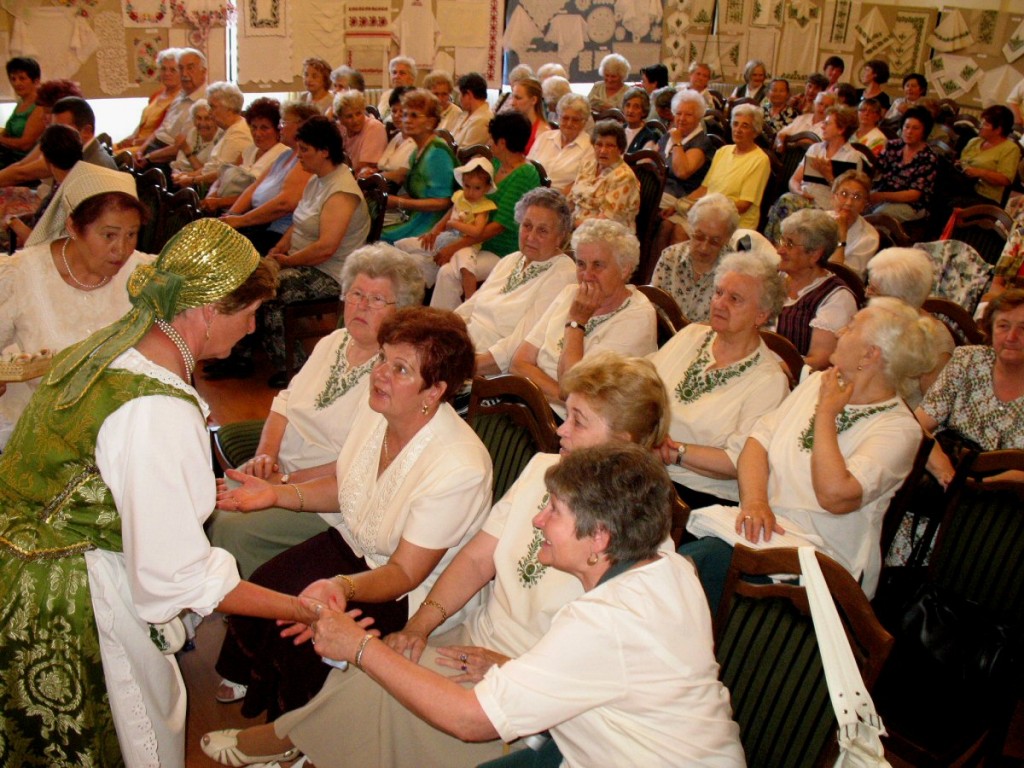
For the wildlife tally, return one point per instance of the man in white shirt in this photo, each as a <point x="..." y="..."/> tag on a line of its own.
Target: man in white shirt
<point x="163" y="145"/>
<point x="472" y="126"/>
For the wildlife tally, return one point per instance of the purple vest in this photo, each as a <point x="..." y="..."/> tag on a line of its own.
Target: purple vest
<point x="795" y="320"/>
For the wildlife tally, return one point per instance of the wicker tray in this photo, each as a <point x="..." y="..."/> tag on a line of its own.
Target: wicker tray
<point x="24" y="370"/>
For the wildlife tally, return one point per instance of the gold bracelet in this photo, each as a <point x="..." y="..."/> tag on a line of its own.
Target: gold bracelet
<point x="350" y="586"/>
<point x="362" y="647"/>
<point x="302" y="499"/>
<point x="435" y="604"/>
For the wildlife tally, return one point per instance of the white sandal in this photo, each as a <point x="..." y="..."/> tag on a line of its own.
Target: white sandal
<point x="237" y="691"/>
<point x="222" y="746"/>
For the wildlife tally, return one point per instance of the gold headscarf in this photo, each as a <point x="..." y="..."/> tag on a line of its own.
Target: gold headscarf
<point x="200" y="265"/>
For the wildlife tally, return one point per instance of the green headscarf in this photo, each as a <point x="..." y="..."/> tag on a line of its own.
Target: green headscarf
<point x="200" y="265"/>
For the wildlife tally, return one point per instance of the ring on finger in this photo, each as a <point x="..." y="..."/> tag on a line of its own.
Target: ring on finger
<point x="464" y="667"/>
<point x="463" y="658"/>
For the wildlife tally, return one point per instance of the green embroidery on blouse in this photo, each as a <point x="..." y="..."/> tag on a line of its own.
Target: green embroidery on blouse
<point x="531" y="571"/>
<point x="697" y="382"/>
<point x="521" y="276"/>
<point x="844" y="421"/>
<point x="594" y="322"/>
<point x="342" y="378"/>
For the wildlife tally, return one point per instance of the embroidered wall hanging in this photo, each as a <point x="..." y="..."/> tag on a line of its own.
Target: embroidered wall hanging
<point x="146" y="13"/>
<point x="112" y="56"/>
<point x="263" y="18"/>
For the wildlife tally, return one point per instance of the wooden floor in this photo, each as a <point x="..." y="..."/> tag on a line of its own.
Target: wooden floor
<point x="234" y="400"/>
<point x="230" y="400"/>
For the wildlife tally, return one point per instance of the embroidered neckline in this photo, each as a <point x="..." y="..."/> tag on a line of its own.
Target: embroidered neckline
<point x="529" y="569"/>
<point x="341" y="377"/>
<point x="524" y="273"/>
<point x="844" y="420"/>
<point x="594" y="322"/>
<point x="697" y="382"/>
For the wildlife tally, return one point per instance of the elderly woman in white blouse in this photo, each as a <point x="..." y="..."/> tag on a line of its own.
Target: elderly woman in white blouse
<point x="226" y="102"/>
<point x="310" y="420"/>
<point x="722" y="379"/>
<point x="822" y="467"/>
<point x="602" y="312"/>
<point x="567" y="152"/>
<point x="70" y="278"/>
<point x="523" y="284"/>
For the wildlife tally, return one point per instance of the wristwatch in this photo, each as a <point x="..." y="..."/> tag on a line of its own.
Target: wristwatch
<point x="577" y="326"/>
<point x="679" y="455"/>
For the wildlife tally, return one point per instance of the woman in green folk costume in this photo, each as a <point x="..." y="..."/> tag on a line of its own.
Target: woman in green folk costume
<point x="104" y="488"/>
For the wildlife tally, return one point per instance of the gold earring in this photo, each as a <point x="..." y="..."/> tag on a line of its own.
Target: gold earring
<point x="424" y="408"/>
<point x="592" y="560"/>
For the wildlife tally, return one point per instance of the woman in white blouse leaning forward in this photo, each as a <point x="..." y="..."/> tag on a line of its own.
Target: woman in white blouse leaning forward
<point x="309" y="421"/>
<point x="70" y="278"/>
<point x="411" y="485"/>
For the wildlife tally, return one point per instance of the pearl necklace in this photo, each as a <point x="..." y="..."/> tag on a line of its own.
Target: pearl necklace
<point x="75" y="280"/>
<point x="186" y="354"/>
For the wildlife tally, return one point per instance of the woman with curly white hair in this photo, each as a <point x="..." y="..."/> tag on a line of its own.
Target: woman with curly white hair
<point x="721" y="379"/>
<point x="601" y="312"/>
<point x="226" y="101"/>
<point x="614" y="70"/>
<point x="822" y="467"/>
<point x="907" y="274"/>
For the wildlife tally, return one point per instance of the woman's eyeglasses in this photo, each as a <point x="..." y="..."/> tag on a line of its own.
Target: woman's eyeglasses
<point x="374" y="301"/>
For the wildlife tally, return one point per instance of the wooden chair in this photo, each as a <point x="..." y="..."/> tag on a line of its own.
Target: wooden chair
<point x="868" y="155"/>
<point x="544" y="180"/>
<point x="176" y="210"/>
<point x="900" y="501"/>
<point x="375" y="191"/>
<point x="983" y="227"/>
<point x="150" y="186"/>
<point x="956" y="318"/>
<point x="465" y="154"/>
<point x="235" y="443"/>
<point x="612" y="113"/>
<point x="792" y="361"/>
<point x="657" y="124"/>
<point x="651" y="172"/>
<point x="680" y="516"/>
<point x="447" y="137"/>
<point x="891" y="228"/>
<point x="512" y="418"/>
<point x="669" y="313"/>
<point x="850" y="279"/>
<point x="768" y="653"/>
<point x="312" y="319"/>
<point x="124" y="160"/>
<point x="933" y="718"/>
